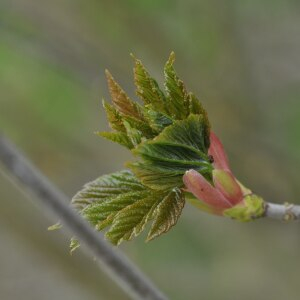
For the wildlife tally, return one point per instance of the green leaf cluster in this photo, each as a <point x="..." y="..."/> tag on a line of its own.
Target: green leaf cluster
<point x="134" y="123"/>
<point x="168" y="134"/>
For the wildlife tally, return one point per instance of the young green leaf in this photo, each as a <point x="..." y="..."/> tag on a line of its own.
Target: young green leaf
<point x="147" y="87"/>
<point x="143" y="126"/>
<point x="177" y="96"/>
<point x="117" y="137"/>
<point x="106" y="187"/>
<point x="114" y="118"/>
<point x="130" y="221"/>
<point x="98" y="213"/>
<point x="157" y="120"/>
<point x="133" y="134"/>
<point x="178" y="148"/>
<point x="122" y="102"/>
<point x="167" y="213"/>
<point x="119" y="200"/>
<point x="195" y="107"/>
<point x="155" y="177"/>
<point x="191" y="131"/>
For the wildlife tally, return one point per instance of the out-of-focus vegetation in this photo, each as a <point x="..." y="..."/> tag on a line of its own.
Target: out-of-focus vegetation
<point x="240" y="57"/>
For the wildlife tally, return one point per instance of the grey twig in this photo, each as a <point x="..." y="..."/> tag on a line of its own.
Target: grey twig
<point x="121" y="270"/>
<point x="285" y="212"/>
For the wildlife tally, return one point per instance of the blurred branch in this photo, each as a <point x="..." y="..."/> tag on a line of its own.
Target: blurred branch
<point x="121" y="270"/>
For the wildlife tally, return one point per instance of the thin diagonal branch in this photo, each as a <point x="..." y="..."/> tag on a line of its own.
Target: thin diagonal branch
<point x="121" y="270"/>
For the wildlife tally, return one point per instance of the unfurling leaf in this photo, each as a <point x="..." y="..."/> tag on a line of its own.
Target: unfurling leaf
<point x="167" y="213"/>
<point x="142" y="125"/>
<point x="122" y="102"/>
<point x="99" y="213"/>
<point x="106" y="187"/>
<point x="147" y="88"/>
<point x="195" y="107"/>
<point x="157" y="120"/>
<point x="177" y="96"/>
<point x="119" y="200"/>
<point x="134" y="134"/>
<point x="114" y="117"/>
<point x="190" y="132"/>
<point x="130" y="221"/>
<point x="178" y="148"/>
<point x="118" y="137"/>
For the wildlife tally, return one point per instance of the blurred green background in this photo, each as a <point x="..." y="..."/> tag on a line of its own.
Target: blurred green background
<point x="240" y="57"/>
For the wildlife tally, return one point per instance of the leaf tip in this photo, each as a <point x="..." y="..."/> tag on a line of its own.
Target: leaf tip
<point x="132" y="55"/>
<point x="150" y="237"/>
<point x="55" y="226"/>
<point x="171" y="59"/>
<point x="104" y="102"/>
<point x="109" y="77"/>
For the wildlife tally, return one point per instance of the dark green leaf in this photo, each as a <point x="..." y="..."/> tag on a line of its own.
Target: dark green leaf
<point x="157" y="120"/>
<point x="196" y="107"/>
<point x="178" y="148"/>
<point x="191" y="131"/>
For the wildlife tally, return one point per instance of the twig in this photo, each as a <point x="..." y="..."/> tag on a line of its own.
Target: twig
<point x="286" y="212"/>
<point x="121" y="270"/>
